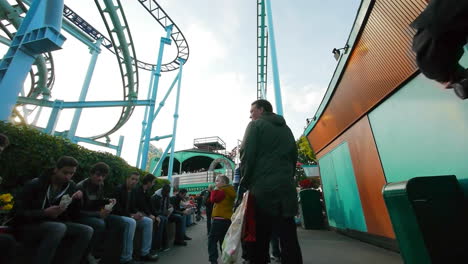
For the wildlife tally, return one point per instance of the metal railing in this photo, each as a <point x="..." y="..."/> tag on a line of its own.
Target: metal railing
<point x="191" y="178"/>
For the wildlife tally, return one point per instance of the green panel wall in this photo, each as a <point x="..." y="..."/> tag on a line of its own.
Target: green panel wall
<point x="341" y="192"/>
<point x="422" y="130"/>
<point x="331" y="196"/>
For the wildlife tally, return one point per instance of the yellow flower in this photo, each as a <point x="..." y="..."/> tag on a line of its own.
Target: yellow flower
<point x="6" y="197"/>
<point x="7" y="207"/>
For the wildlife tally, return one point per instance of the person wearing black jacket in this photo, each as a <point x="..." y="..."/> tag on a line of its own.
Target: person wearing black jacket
<point x="180" y="211"/>
<point x="96" y="212"/>
<point x="126" y="209"/>
<point x="163" y="208"/>
<point x="142" y="200"/>
<point x="44" y="216"/>
<point x="160" y="209"/>
<point x="208" y="206"/>
<point x="7" y="242"/>
<point x="442" y="31"/>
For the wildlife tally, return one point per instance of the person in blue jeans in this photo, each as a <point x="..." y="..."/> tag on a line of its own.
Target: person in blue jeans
<point x="133" y="219"/>
<point x="96" y="212"/>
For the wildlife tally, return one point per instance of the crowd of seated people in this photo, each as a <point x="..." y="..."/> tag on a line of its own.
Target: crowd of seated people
<point x="59" y="221"/>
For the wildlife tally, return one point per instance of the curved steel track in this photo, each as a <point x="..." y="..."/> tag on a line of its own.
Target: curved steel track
<point x="119" y="42"/>
<point x="158" y="13"/>
<point x="121" y="39"/>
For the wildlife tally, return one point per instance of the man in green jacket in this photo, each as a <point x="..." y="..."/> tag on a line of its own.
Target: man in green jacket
<point x="268" y="159"/>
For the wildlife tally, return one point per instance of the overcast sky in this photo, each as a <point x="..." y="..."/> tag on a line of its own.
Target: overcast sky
<point x="219" y="79"/>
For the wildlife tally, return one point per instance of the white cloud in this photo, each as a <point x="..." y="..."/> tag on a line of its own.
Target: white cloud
<point x="300" y="103"/>
<point x="218" y="82"/>
<point x="305" y="99"/>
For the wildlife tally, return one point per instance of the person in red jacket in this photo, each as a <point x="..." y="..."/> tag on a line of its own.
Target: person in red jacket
<point x="223" y="199"/>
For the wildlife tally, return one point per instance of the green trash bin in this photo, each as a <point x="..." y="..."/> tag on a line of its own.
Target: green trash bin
<point x="310" y="209"/>
<point x="429" y="218"/>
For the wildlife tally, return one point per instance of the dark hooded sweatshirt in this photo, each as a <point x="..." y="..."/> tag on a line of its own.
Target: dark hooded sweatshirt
<point x="268" y="159"/>
<point x="93" y="198"/>
<point x="441" y="16"/>
<point x="33" y="199"/>
<point x="125" y="203"/>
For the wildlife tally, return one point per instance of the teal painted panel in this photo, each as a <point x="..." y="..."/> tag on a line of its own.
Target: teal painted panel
<point x="347" y="187"/>
<point x="332" y="200"/>
<point x="341" y="191"/>
<point x="422" y="130"/>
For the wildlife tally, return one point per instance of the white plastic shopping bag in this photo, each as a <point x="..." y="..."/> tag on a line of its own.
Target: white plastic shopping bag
<point x="232" y="240"/>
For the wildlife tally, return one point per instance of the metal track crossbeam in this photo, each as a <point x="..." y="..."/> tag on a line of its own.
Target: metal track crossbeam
<point x="164" y="20"/>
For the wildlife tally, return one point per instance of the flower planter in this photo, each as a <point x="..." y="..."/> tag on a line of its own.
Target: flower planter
<point x="5" y="230"/>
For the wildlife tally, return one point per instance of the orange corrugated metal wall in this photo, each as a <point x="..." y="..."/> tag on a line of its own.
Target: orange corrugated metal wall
<point x="381" y="60"/>
<point x="369" y="176"/>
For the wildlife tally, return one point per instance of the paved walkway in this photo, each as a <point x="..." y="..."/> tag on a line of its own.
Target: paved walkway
<point x="318" y="247"/>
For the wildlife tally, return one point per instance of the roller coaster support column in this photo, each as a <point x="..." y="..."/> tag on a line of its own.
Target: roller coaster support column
<point x="84" y="90"/>
<point x="149" y="121"/>
<point x="39" y="112"/>
<point x="145" y="119"/>
<point x="161" y="105"/>
<point x="54" y="116"/>
<point x="39" y="33"/>
<point x="119" y="147"/>
<point x="161" y="159"/>
<point x="274" y="61"/>
<point x="174" y="131"/>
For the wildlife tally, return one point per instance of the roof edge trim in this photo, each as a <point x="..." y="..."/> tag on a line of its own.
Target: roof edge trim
<point x="359" y="22"/>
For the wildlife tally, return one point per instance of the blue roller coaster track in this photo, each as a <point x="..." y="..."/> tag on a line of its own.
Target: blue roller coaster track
<point x="117" y="28"/>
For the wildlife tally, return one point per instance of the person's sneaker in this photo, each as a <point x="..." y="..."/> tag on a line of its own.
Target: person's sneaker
<point x="165" y="249"/>
<point x="92" y="260"/>
<point x="149" y="257"/>
<point x="275" y="259"/>
<point x="187" y="238"/>
<point x="180" y="243"/>
<point x="460" y="88"/>
<point x="132" y="262"/>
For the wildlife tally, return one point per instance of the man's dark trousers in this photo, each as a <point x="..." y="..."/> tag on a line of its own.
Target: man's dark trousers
<point x="108" y="236"/>
<point x="209" y="211"/>
<point x="8" y="249"/>
<point x="160" y="236"/>
<point x="62" y="242"/>
<point x="181" y="226"/>
<point x="289" y="244"/>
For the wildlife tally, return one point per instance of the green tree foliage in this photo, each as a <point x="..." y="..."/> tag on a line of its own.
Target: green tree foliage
<point x="305" y="156"/>
<point x="31" y="152"/>
<point x="305" y="152"/>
